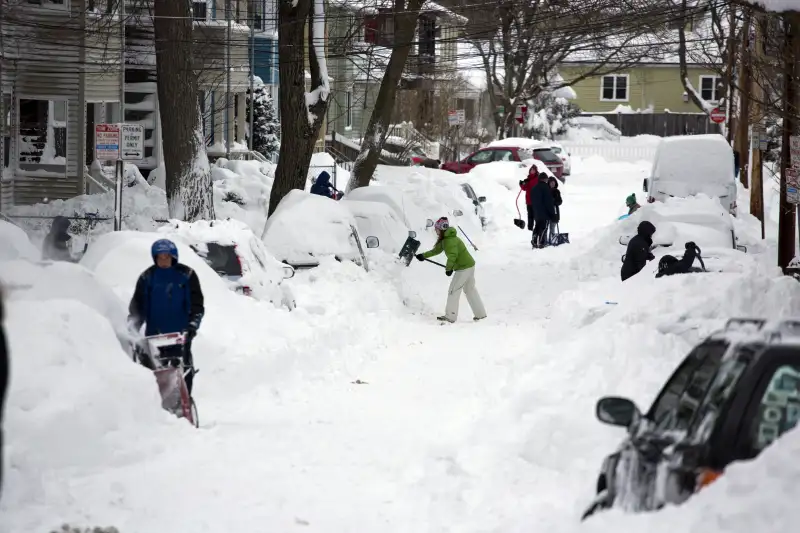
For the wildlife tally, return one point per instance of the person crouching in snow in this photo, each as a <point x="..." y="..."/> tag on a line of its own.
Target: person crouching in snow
<point x="461" y="266"/>
<point x="322" y="187"/>
<point x="632" y="204"/>
<point x="638" y="253"/>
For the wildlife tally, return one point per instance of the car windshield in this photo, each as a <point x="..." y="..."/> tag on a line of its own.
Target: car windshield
<point x="547" y="155"/>
<point x="223" y="259"/>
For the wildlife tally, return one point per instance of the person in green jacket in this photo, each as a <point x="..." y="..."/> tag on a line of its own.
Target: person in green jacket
<point x="461" y="266"/>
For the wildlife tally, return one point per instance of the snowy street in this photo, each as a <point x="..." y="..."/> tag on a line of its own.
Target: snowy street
<point x="358" y="412"/>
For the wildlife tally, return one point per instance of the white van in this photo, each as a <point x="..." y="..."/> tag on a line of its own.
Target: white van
<point x="687" y="165"/>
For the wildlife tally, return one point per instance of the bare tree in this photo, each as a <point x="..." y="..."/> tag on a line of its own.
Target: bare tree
<point x="522" y="43"/>
<point x="405" y="14"/>
<point x="302" y="113"/>
<point x="189" y="192"/>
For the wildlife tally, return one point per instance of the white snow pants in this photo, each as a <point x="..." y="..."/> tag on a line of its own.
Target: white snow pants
<point x="464" y="280"/>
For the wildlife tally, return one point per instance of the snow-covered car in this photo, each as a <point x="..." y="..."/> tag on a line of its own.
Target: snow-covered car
<point x="566" y="157"/>
<point x="477" y="201"/>
<point x="700" y="219"/>
<point x="732" y="396"/>
<point x="380" y="220"/>
<point x="688" y="165"/>
<point x="305" y="228"/>
<point x="231" y="249"/>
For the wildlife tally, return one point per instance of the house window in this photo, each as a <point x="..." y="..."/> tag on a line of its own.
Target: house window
<point x="614" y="88"/>
<point x="199" y="10"/>
<point x="348" y="113"/>
<point x="58" y="109"/>
<point x="709" y="88"/>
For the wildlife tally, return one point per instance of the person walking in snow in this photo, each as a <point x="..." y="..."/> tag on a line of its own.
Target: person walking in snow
<point x="526" y="185"/>
<point x="638" y="253"/>
<point x="322" y="187"/>
<point x="544" y="211"/>
<point x="168" y="299"/>
<point x="57" y="242"/>
<point x="557" y="201"/>
<point x="461" y="266"/>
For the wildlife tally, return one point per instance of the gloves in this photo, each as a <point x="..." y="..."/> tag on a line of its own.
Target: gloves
<point x="521" y="183"/>
<point x="191" y="330"/>
<point x="420" y="257"/>
<point x="691" y="245"/>
<point x="448" y="273"/>
<point x="650" y="256"/>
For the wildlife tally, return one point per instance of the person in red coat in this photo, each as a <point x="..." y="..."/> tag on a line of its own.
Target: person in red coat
<point x="526" y="185"/>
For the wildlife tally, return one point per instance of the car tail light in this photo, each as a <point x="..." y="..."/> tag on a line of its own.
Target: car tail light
<point x="706" y="477"/>
<point x="247" y="291"/>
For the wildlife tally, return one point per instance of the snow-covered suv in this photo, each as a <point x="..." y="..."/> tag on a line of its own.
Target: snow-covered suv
<point x="733" y="395"/>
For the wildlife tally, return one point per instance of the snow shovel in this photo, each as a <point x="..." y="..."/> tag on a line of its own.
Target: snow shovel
<point x="467" y="236"/>
<point x="409" y="249"/>
<point x="518" y="222"/>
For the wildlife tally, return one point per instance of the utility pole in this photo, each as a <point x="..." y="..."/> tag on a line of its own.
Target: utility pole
<point x="731" y="67"/>
<point x="791" y="53"/>
<point x="742" y="144"/>
<point x="756" y="167"/>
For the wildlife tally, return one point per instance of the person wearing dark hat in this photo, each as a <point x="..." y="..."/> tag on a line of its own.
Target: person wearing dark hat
<point x="638" y="253"/>
<point x="57" y="242"/>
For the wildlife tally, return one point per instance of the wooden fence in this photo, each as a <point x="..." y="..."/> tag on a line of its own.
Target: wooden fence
<point x="661" y="124"/>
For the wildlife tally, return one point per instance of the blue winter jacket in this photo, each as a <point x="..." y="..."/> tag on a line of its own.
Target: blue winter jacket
<point x="167" y="300"/>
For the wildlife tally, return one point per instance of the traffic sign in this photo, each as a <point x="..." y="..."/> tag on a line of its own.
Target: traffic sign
<point x="452" y="117"/>
<point x="794" y="150"/>
<point x="717" y="116"/>
<point x="106" y="142"/>
<point x="462" y="116"/>
<point x="132" y="142"/>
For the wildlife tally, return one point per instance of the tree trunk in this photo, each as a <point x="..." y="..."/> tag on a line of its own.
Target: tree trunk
<point x="188" y="175"/>
<point x="757" y="108"/>
<point x="300" y="122"/>
<point x="786" y="225"/>
<point x="405" y="24"/>
<point x="743" y="124"/>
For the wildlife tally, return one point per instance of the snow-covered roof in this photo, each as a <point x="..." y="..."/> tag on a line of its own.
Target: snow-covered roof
<point x="374" y="6"/>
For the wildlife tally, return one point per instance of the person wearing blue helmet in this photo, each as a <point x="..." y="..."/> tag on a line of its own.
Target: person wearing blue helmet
<point x="168" y="299"/>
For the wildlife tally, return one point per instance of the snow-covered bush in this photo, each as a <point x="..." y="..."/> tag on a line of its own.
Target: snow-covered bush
<point x="266" y="127"/>
<point x="550" y="116"/>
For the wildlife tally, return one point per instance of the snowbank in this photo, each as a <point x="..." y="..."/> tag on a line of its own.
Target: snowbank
<point x="14" y="243"/>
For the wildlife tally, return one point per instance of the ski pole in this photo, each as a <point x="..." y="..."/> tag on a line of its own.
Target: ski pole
<point x="467" y="236"/>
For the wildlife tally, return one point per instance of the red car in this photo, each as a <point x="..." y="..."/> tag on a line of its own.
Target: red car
<point x="507" y="153"/>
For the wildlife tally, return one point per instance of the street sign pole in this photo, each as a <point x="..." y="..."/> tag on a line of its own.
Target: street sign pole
<point x="120" y="170"/>
<point x="119" y="143"/>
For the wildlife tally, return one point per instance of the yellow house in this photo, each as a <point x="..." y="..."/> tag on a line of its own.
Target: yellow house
<point x="654" y="86"/>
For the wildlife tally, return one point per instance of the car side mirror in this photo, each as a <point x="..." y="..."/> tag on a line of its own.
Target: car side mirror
<point x="624" y="240"/>
<point x="288" y="272"/>
<point x="412" y="234"/>
<point x="741" y="248"/>
<point x="428" y="223"/>
<point x="645" y="184"/>
<point x="372" y="241"/>
<point x="458" y="213"/>
<point x="481" y="199"/>
<point x="616" y="411"/>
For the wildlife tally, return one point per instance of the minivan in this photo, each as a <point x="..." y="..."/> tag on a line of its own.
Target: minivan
<point x="687" y="165"/>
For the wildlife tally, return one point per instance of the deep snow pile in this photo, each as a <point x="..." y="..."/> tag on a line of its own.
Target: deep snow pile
<point x="469" y="427"/>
